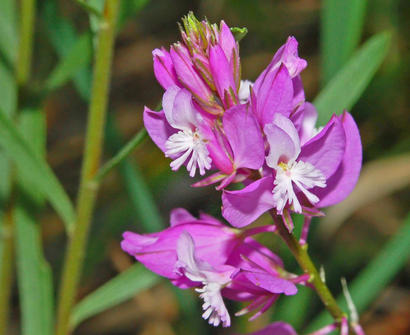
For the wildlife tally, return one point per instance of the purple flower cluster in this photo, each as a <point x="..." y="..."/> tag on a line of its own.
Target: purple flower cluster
<point x="262" y="135"/>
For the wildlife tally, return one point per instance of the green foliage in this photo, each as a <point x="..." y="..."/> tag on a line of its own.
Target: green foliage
<point x="34" y="274"/>
<point x="377" y="275"/>
<point x="341" y="28"/>
<point x="32" y="166"/>
<point x="77" y="58"/>
<point x="348" y="84"/>
<point x="8" y="41"/>
<point x="117" y="290"/>
<point x="239" y="33"/>
<point x="137" y="189"/>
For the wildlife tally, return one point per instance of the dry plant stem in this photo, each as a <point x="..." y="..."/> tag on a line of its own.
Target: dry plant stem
<point x="303" y="258"/>
<point x="93" y="148"/>
<point x="6" y="269"/>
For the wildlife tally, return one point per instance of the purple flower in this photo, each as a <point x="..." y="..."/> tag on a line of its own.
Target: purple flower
<point x="315" y="173"/>
<point x="177" y="131"/>
<point x="217" y="260"/>
<point x="214" y="243"/>
<point x="193" y="139"/>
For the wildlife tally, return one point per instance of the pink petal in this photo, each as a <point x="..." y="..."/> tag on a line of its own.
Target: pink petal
<point x="298" y="91"/>
<point x="187" y="74"/>
<point x="308" y="122"/>
<point x="218" y="149"/>
<point x="157" y="127"/>
<point x="178" y="108"/>
<point x="325" y="150"/>
<point x="180" y="215"/>
<point x="284" y="145"/>
<point x="164" y="68"/>
<point x="241" y="208"/>
<point x="244" y="136"/>
<point x="221" y="71"/>
<point x="274" y="95"/>
<point x="342" y="182"/>
<point x="227" y="41"/>
<point x="271" y="283"/>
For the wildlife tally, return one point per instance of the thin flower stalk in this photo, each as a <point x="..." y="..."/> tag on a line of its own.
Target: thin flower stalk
<point x="93" y="149"/>
<point x="302" y="257"/>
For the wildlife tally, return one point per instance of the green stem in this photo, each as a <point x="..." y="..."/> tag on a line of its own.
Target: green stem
<point x="25" y="41"/>
<point x="22" y="73"/>
<point x="121" y="155"/>
<point x="6" y="269"/>
<point x="303" y="258"/>
<point x="88" y="187"/>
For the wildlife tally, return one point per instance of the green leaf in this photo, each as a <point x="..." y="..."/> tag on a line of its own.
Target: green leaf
<point x="8" y="31"/>
<point x="376" y="276"/>
<point x="121" y="154"/>
<point x="117" y="290"/>
<point x="129" y="9"/>
<point x="137" y="189"/>
<point x="349" y="83"/>
<point x="63" y="37"/>
<point x="33" y="167"/>
<point x="90" y="8"/>
<point x="77" y="58"/>
<point x="34" y="274"/>
<point x="239" y="33"/>
<point x="8" y="94"/>
<point x="341" y="29"/>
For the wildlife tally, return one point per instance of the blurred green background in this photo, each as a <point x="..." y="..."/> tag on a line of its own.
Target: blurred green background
<point x="139" y="194"/>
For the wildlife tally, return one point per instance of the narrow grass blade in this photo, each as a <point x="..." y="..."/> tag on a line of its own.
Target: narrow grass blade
<point x="34" y="274"/>
<point x="63" y="37"/>
<point x="117" y="290"/>
<point x="121" y="154"/>
<point x="341" y="29"/>
<point x="33" y="167"/>
<point x="8" y="33"/>
<point x="138" y="191"/>
<point x="376" y="276"/>
<point x="77" y="58"/>
<point x="348" y="84"/>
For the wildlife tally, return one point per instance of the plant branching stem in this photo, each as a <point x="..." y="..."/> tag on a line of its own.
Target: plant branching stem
<point x="302" y="257"/>
<point x="92" y="154"/>
<point x="121" y="155"/>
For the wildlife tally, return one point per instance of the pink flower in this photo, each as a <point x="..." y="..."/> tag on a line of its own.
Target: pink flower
<point x="193" y="139"/>
<point x="217" y="260"/>
<point x="315" y="173"/>
<point x="177" y="131"/>
<point x="158" y="251"/>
